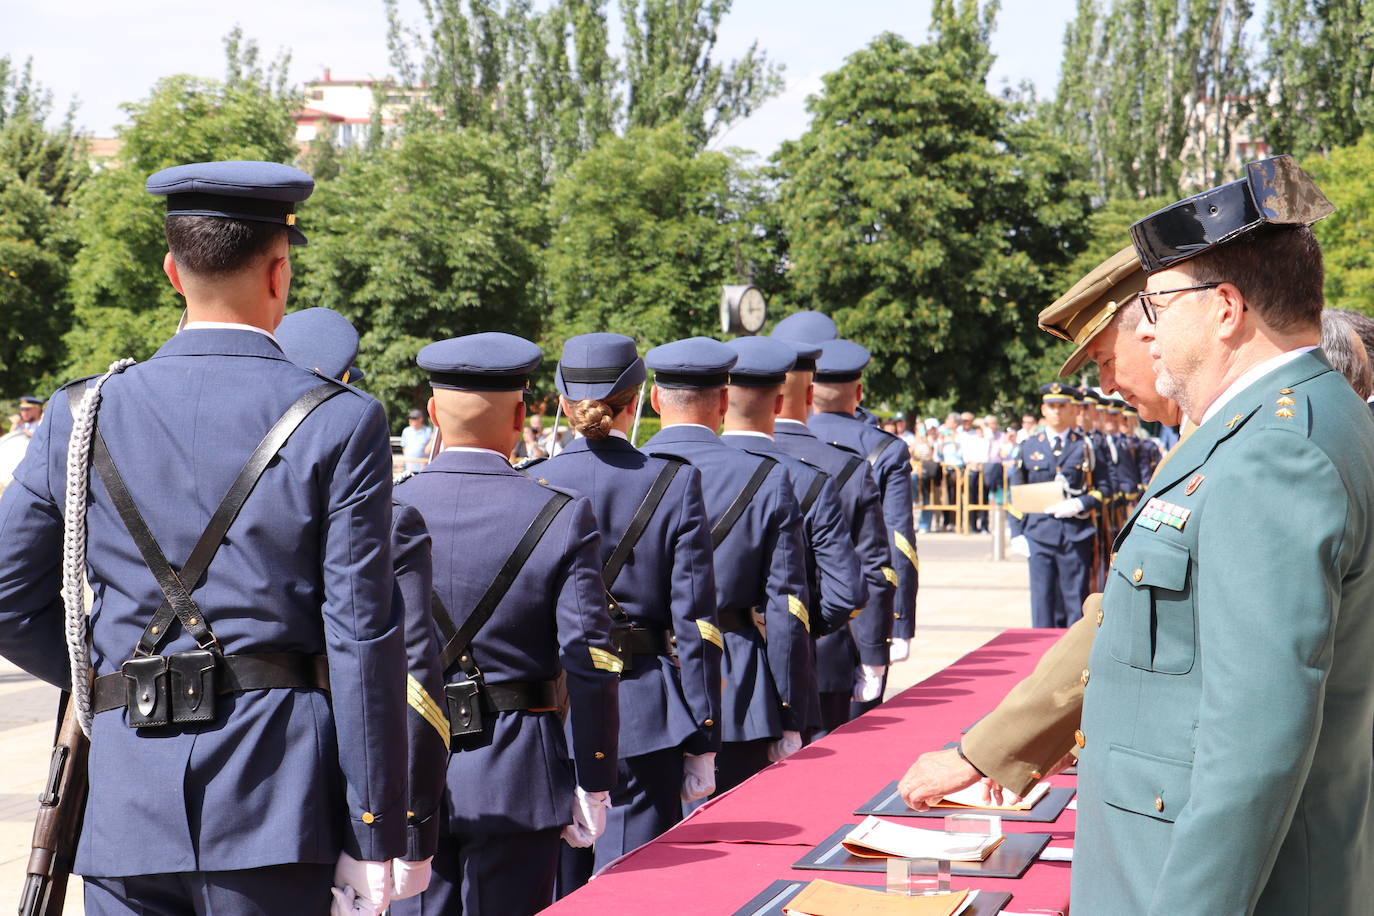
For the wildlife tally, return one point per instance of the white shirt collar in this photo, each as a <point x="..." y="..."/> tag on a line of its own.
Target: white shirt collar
<point x="787" y="420"/>
<point x="1254" y="374"/>
<point x="697" y="425"/>
<point x="475" y="449"/>
<point x="619" y="434"/>
<point x="226" y="326"/>
<point x="748" y="432"/>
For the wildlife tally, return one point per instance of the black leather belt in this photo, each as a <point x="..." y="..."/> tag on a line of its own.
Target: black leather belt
<point x="535" y="696"/>
<point x="731" y="619"/>
<point x="649" y="641"/>
<point x="237" y="673"/>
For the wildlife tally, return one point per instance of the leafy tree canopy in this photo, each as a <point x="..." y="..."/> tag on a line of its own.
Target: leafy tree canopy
<point x="930" y="217"/>
<point x="646" y="229"/>
<point x="426" y="239"/>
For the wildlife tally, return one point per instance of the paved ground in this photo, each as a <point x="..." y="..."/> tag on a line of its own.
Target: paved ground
<point x="965" y="600"/>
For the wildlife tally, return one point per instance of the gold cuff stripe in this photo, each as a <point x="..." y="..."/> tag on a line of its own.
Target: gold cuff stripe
<point x="855" y="613"/>
<point x="890" y="574"/>
<point x="424" y="704"/>
<point x="798" y="610"/>
<point x="606" y="661"/>
<point x="711" y="633"/>
<point x="905" y="547"/>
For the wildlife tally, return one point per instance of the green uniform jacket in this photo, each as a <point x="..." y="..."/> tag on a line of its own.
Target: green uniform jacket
<point x="1227" y="721"/>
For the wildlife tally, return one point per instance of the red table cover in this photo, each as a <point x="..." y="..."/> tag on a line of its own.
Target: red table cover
<point x="731" y="848"/>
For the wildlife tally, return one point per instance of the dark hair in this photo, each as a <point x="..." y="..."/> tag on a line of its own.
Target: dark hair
<point x="211" y="245"/>
<point x="592" y="418"/>
<point x="1278" y="269"/>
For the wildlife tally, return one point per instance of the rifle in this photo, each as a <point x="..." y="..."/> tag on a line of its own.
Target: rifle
<point x="58" y="825"/>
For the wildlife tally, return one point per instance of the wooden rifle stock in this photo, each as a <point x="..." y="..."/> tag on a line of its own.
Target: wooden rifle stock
<point x="58" y="825"/>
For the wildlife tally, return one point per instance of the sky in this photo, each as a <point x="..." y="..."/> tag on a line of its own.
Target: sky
<point x="103" y="54"/>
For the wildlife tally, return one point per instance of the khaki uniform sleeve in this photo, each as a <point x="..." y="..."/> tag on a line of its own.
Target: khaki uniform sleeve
<point x="1033" y="726"/>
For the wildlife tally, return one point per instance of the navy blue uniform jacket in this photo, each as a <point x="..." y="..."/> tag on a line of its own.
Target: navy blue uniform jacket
<point x="552" y="619"/>
<point x="666" y="584"/>
<point x="281" y="775"/>
<point x="760" y="564"/>
<point x="866" y="638"/>
<point x="891" y="468"/>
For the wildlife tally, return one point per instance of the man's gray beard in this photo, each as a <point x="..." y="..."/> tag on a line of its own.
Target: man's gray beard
<point x="1174" y="388"/>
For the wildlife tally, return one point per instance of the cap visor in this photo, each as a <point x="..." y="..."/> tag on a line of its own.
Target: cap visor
<point x="295" y="236"/>
<point x="1079" y="356"/>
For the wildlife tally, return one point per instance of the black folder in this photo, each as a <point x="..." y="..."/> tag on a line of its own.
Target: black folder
<point x="888" y="803"/>
<point x="1010" y="859"/>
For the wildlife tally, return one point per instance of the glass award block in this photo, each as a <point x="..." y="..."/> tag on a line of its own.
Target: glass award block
<point x="917" y="877"/>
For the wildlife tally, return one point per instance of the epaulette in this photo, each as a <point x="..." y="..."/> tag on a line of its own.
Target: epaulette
<point x="1290" y="410"/>
<point x="524" y="464"/>
<point x="669" y="456"/>
<point x="845" y="448"/>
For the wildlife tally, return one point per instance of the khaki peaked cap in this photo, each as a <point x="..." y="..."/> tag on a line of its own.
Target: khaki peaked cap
<point x="1080" y="314"/>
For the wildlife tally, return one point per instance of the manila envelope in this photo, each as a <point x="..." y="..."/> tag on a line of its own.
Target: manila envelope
<point x="1036" y="497"/>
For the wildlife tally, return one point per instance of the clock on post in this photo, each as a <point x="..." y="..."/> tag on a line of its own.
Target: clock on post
<point x="743" y="309"/>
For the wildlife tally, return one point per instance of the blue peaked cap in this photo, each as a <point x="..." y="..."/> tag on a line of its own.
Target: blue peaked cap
<point x="696" y="362"/>
<point x="261" y="192"/>
<point x="1058" y="393"/>
<point x="807" y="354"/>
<point x="598" y="366"/>
<point x="491" y="361"/>
<point x="841" y="361"/>
<point x="808" y="327"/>
<point x="762" y="361"/>
<point x="320" y="340"/>
<point x="355" y="375"/>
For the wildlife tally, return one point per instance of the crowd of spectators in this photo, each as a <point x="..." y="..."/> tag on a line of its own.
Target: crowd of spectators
<point x="976" y="449"/>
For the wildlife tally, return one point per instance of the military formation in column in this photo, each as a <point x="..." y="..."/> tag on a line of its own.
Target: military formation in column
<point x="467" y="690"/>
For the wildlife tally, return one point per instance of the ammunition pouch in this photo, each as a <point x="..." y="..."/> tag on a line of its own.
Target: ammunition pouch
<point x="470" y="700"/>
<point x="181" y="688"/>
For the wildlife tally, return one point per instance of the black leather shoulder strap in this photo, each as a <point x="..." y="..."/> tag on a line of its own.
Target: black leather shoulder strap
<point x="177" y="585"/>
<point x="457" y="640"/>
<point x="616" y="561"/>
<point x="851" y="465"/>
<point x="722" y="528"/>
<point x="881" y="447"/>
<point x="813" y="492"/>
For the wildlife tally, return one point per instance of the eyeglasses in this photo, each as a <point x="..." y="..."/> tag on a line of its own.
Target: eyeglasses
<point x="1152" y="310"/>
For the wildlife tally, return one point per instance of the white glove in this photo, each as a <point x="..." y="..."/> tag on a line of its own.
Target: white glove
<point x="868" y="681"/>
<point x="784" y="747"/>
<point x="1066" y="508"/>
<point x="1020" y="546"/>
<point x="899" y="650"/>
<point x="589" y="818"/>
<point x="698" y="776"/>
<point x="360" y="888"/>
<point x="409" y="878"/>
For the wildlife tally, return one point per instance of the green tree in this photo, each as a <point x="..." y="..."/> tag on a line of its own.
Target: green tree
<point x="1347" y="178"/>
<point x="930" y="217"/>
<point x="124" y="305"/>
<point x="40" y="168"/>
<point x="51" y="158"/>
<point x="1154" y="91"/>
<point x="35" y="245"/>
<point x="671" y="75"/>
<point x="546" y="82"/>
<point x="646" y="230"/>
<point x="1315" y="91"/>
<point x="426" y="239"/>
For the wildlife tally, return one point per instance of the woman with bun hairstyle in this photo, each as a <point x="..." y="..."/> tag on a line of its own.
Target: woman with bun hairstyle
<point x="664" y="584"/>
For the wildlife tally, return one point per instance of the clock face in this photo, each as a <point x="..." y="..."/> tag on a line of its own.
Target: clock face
<point x="753" y="310"/>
